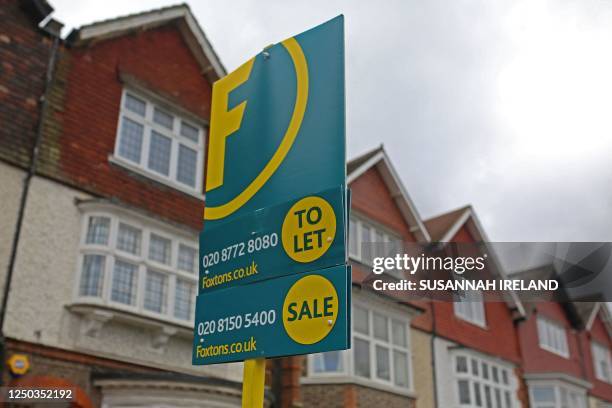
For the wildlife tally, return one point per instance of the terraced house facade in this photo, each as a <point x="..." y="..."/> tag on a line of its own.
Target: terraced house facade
<point x="102" y="151"/>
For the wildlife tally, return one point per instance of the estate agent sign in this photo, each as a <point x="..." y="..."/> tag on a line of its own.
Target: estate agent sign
<point x="273" y="275"/>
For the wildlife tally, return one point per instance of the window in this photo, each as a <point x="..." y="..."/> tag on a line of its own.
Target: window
<point x="160" y="143"/>
<point x="601" y="362"/>
<point x="556" y="395"/>
<point x="127" y="264"/>
<point x="482" y="382"/>
<point x="552" y="337"/>
<point x="380" y="351"/>
<point x="367" y="242"/>
<point x="469" y="306"/>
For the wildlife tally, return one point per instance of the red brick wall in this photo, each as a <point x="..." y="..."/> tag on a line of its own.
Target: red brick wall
<point x="371" y="197"/>
<point x="24" y="54"/>
<point x="81" y="130"/>
<point x="537" y="360"/>
<point x="499" y="323"/>
<point x="599" y="334"/>
<point x="352" y="396"/>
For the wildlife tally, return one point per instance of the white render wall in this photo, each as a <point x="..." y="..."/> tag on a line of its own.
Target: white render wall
<point x="11" y="185"/>
<point x="44" y="282"/>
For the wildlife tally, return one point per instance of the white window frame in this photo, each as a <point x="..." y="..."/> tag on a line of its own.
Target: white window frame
<point x="111" y="254"/>
<point x="511" y="387"/>
<point x="375" y="228"/>
<point x="600" y="352"/>
<point x="557" y="386"/>
<point x="545" y="323"/>
<point x="460" y="305"/>
<point x="348" y="363"/>
<point x="176" y="140"/>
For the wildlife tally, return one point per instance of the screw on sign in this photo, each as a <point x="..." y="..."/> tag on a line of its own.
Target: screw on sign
<point x="309" y="229"/>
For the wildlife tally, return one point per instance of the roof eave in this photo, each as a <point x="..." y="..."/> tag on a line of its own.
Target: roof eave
<point x="188" y="25"/>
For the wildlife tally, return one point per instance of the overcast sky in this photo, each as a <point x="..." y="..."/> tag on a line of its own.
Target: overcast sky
<point x="505" y="105"/>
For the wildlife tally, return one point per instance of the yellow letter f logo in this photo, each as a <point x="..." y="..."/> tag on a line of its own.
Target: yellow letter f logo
<point x="224" y="122"/>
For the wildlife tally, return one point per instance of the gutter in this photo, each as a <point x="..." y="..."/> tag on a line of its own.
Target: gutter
<point x="53" y="28"/>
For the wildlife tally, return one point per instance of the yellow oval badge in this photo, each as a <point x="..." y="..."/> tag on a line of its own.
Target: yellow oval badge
<point x="310" y="309"/>
<point x="309" y="229"/>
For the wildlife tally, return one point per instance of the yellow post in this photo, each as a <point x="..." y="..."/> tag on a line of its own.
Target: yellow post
<point x="253" y="383"/>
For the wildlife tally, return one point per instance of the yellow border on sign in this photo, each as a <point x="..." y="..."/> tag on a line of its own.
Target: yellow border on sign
<point x="301" y="99"/>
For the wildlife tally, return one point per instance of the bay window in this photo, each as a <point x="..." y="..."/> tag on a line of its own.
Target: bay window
<point x="483" y="382"/>
<point x="128" y="264"/>
<point x="556" y="395"/>
<point x="380" y="352"/>
<point x="159" y="143"/>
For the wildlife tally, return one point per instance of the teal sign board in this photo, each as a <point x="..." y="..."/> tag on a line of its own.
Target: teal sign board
<point x="273" y="274"/>
<point x="277" y="126"/>
<point x="294" y="314"/>
<point x="274" y="241"/>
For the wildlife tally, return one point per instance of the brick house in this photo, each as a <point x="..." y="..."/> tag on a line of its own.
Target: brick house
<point x="475" y="348"/>
<point x="104" y="274"/>
<point x="104" y="278"/>
<point x="565" y="349"/>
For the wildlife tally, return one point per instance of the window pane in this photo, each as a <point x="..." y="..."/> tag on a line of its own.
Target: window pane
<point x="508" y="399"/>
<point x="162" y="118"/>
<point x="381" y="327"/>
<point x="159" y="249"/>
<point x="487" y="393"/>
<point x="477" y="395"/>
<point x="97" y="230"/>
<point x="156" y="289"/>
<point x="187" y="166"/>
<point x="399" y="334"/>
<point x="475" y="367"/>
<point x="128" y="239"/>
<point x="462" y="365"/>
<point x="190" y="132"/>
<point x="382" y="363"/>
<point x="92" y="275"/>
<point x="464" y="391"/>
<point x="543" y="394"/>
<point x="498" y="399"/>
<point x="353" y="238"/>
<point x="485" y="371"/>
<point x="130" y="143"/>
<point x="361" y="320"/>
<point x="505" y="377"/>
<point x="124" y="283"/>
<point x="380" y="245"/>
<point x="186" y="258"/>
<point x="183" y="301"/>
<point x="362" y="357"/>
<point x="159" y="153"/>
<point x="494" y="374"/>
<point x="329" y="362"/>
<point x="400" y="368"/>
<point x="134" y="104"/>
<point x="366" y="244"/>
